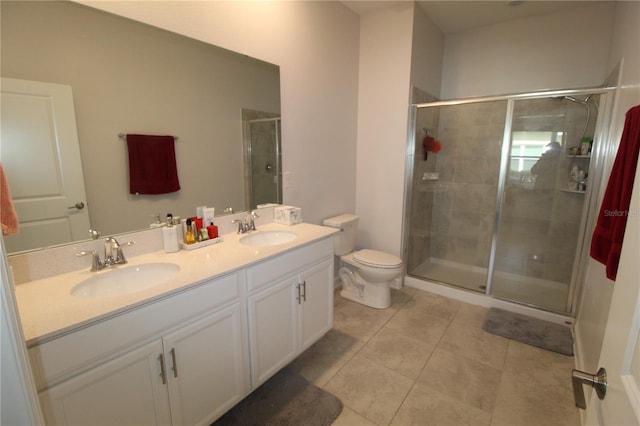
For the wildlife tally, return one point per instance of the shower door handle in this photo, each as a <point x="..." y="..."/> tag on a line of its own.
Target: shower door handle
<point x="597" y="381"/>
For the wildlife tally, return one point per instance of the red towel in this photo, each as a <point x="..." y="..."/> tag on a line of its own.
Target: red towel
<point x="152" y="164"/>
<point x="606" y="243"/>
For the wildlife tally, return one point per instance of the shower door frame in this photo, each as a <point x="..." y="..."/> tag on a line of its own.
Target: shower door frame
<point x="277" y="121"/>
<point x="603" y="154"/>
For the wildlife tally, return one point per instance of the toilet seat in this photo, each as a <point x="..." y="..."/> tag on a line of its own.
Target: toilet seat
<point x="377" y="259"/>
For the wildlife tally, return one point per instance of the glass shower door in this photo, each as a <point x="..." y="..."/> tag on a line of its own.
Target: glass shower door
<point x="453" y="199"/>
<point x="543" y="201"/>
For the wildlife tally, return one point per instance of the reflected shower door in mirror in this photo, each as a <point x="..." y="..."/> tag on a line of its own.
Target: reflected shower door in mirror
<point x="454" y="192"/>
<point x="129" y="77"/>
<point x="263" y="161"/>
<point x="544" y="199"/>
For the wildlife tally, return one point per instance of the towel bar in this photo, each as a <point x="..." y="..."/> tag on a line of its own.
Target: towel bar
<point x="123" y="136"/>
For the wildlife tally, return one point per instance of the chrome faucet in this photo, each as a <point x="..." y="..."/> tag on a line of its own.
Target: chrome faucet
<point x="250" y="220"/>
<point x="113" y="255"/>
<point x="243" y="226"/>
<point x="111" y="245"/>
<point x="248" y="224"/>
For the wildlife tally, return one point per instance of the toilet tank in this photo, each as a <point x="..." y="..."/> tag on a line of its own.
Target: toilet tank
<point x="344" y="241"/>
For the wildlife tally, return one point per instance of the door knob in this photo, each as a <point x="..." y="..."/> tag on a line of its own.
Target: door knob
<point x="597" y="381"/>
<point x="79" y="205"/>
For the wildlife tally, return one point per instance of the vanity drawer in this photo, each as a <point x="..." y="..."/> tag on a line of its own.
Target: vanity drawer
<point x="79" y="350"/>
<point x="266" y="272"/>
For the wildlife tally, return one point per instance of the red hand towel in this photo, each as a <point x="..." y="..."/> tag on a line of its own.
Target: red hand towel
<point x="8" y="216"/>
<point x="606" y="243"/>
<point x="152" y="164"/>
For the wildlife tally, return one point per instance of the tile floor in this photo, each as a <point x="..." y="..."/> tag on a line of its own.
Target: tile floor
<point x="427" y="361"/>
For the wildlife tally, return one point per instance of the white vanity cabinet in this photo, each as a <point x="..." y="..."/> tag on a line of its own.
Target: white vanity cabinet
<point x="192" y="368"/>
<point x="188" y="357"/>
<point x="290" y="306"/>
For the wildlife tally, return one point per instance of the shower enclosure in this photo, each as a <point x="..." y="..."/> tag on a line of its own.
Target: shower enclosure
<point x="262" y="152"/>
<point x="502" y="205"/>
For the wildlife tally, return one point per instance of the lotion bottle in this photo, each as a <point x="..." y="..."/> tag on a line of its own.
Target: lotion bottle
<point x="212" y="230"/>
<point x="189" y="236"/>
<point x="170" y="236"/>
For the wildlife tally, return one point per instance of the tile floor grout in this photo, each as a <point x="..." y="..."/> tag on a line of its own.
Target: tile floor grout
<point x="362" y="361"/>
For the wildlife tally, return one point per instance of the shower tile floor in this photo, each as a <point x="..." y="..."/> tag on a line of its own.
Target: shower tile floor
<point x="427" y="361"/>
<point x="544" y="293"/>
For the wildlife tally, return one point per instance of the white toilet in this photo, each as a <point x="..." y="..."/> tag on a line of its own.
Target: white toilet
<point x="366" y="275"/>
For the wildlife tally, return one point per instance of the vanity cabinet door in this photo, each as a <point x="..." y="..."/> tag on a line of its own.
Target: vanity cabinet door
<point x="317" y="303"/>
<point x="288" y="317"/>
<point x="273" y="329"/>
<point x="206" y="370"/>
<point x="127" y="390"/>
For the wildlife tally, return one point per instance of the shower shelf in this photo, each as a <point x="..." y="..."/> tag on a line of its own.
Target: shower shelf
<point x="577" y="156"/>
<point x="573" y="191"/>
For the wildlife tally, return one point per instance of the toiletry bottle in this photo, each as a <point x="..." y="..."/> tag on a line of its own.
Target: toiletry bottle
<point x="203" y="235"/>
<point x="212" y="230"/>
<point x="189" y="235"/>
<point x="208" y="215"/>
<point x="170" y="236"/>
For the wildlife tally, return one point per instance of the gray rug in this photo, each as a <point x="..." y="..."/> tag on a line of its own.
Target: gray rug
<point x="285" y="399"/>
<point x="532" y="331"/>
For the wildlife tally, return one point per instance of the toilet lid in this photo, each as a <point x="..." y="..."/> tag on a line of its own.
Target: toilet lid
<point x="377" y="259"/>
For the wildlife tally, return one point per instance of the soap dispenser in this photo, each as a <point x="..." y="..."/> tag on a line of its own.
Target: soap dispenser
<point x="170" y="236"/>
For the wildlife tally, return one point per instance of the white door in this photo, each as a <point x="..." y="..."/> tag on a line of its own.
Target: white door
<point x="620" y="354"/>
<point x="41" y="157"/>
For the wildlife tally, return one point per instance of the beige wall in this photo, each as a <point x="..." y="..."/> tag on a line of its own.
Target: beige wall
<point x="566" y="49"/>
<point x="384" y="85"/>
<point x="128" y="77"/>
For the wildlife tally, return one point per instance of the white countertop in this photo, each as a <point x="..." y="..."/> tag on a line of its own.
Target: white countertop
<point x="48" y="310"/>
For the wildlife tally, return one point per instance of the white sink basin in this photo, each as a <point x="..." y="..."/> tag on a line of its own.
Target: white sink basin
<point x="123" y="280"/>
<point x="268" y="238"/>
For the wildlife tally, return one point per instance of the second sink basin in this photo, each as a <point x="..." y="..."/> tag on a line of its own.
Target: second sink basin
<point x="124" y="280"/>
<point x="268" y="238"/>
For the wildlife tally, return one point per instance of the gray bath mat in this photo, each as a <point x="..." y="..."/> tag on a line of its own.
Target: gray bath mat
<point x="286" y="399"/>
<point x="533" y="331"/>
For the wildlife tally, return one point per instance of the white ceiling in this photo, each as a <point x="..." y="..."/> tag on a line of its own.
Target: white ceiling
<point x="451" y="16"/>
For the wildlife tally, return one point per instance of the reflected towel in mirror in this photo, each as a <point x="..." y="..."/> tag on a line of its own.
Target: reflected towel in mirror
<point x="152" y="164"/>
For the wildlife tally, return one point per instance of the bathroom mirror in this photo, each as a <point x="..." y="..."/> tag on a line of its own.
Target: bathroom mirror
<point x="129" y="77"/>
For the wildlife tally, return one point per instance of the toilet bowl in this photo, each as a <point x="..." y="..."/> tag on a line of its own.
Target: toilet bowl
<point x="366" y="275"/>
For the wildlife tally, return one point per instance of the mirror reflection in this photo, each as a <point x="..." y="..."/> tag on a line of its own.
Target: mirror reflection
<point x="127" y="77"/>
